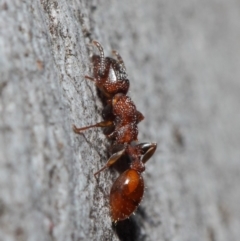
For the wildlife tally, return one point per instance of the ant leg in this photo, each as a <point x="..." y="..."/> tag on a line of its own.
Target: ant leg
<point x="113" y="158"/>
<point x="148" y="150"/>
<point x="100" y="124"/>
<point x="112" y="135"/>
<point x="90" y="78"/>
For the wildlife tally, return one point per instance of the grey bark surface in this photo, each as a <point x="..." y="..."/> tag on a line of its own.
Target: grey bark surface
<point x="183" y="62"/>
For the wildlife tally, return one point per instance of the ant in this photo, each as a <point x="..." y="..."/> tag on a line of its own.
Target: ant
<point x="121" y="119"/>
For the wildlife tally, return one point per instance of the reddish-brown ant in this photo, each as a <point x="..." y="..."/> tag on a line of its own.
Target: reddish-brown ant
<point x="120" y="113"/>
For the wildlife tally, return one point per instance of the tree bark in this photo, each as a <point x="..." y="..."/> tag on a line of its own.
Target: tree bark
<point x="183" y="61"/>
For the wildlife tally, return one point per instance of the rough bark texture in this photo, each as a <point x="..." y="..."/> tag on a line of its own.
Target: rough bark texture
<point x="183" y="62"/>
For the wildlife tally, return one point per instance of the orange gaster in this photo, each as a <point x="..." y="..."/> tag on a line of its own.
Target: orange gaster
<point x="126" y="194"/>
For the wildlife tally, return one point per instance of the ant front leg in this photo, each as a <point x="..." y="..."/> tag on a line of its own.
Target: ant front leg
<point x="148" y="150"/>
<point x="90" y="78"/>
<point x="113" y="158"/>
<point x="100" y="124"/>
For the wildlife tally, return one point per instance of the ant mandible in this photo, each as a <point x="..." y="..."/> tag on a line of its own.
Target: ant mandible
<point x="121" y="116"/>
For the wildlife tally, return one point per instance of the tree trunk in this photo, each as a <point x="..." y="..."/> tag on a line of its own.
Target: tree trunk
<point x="183" y="62"/>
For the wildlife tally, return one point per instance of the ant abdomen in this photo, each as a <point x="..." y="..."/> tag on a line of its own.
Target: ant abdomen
<point x="126" y="194"/>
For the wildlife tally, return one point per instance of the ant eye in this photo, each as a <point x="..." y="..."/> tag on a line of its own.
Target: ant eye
<point x="121" y="118"/>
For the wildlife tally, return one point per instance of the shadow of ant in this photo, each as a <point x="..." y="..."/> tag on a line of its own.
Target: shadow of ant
<point x="131" y="229"/>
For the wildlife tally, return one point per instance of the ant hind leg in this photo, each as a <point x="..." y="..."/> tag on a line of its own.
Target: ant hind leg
<point x="113" y="158"/>
<point x="148" y="150"/>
